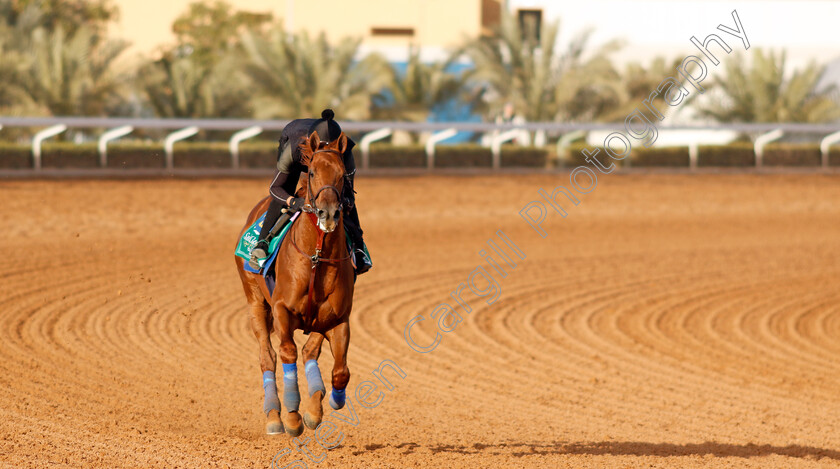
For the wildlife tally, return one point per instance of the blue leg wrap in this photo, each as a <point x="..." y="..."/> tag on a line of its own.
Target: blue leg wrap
<point x="291" y="394"/>
<point x="271" y="401"/>
<point x="337" y="398"/>
<point x="313" y="378"/>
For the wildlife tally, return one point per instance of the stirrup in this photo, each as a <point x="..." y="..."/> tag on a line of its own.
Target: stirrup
<point x="363" y="263"/>
<point x="257" y="254"/>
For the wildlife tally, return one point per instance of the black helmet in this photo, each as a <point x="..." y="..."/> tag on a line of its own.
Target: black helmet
<point x="328" y="129"/>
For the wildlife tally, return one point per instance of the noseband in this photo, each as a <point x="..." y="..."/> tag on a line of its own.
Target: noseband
<point x="312" y="206"/>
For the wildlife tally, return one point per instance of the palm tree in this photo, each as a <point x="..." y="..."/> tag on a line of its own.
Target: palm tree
<point x="298" y="75"/>
<point x="543" y="83"/>
<point x="761" y="92"/>
<point x="13" y="97"/>
<point x="180" y="84"/>
<point x="609" y="96"/>
<point x="417" y="91"/>
<point x="70" y="74"/>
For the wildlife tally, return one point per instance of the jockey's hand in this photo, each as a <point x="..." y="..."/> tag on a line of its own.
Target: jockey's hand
<point x="295" y="203"/>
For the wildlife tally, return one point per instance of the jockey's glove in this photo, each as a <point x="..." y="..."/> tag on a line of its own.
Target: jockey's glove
<point x="296" y="204"/>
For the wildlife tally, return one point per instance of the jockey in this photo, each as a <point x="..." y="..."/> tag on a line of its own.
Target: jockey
<point x="284" y="184"/>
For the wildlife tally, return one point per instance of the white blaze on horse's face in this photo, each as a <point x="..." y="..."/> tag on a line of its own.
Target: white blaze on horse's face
<point x="322" y="224"/>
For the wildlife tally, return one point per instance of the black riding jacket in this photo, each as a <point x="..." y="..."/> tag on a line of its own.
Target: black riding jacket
<point x="290" y="167"/>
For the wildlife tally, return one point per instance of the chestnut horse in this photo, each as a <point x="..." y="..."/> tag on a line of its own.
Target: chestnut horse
<point x="314" y="293"/>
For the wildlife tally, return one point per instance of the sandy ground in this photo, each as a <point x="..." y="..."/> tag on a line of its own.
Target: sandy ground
<point x="668" y="321"/>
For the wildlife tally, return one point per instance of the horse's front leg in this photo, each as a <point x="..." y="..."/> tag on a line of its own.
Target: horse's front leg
<point x="288" y="356"/>
<point x="314" y="411"/>
<point x="261" y="326"/>
<point x="339" y="338"/>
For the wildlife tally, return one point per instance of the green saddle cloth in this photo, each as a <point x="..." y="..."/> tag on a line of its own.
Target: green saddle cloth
<point x="251" y="236"/>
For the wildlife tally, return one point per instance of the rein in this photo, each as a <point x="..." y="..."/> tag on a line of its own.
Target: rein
<point x="315" y="259"/>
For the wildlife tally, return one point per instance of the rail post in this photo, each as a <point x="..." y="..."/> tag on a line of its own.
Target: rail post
<point x="169" y="143"/>
<point x="763" y="140"/>
<point x="236" y="138"/>
<point x="564" y="142"/>
<point x="39" y="137"/>
<point x="496" y="145"/>
<point x="367" y="140"/>
<point x="108" y="136"/>
<point x="824" y="146"/>
<point x="433" y="140"/>
<point x="693" y="150"/>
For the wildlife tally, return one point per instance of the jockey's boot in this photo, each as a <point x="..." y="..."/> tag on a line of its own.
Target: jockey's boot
<point x="259" y="253"/>
<point x="363" y="262"/>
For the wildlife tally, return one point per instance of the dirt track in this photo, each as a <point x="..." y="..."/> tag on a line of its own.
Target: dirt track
<point x="668" y="321"/>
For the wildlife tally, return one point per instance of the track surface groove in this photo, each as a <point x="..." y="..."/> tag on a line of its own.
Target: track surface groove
<point x="668" y="321"/>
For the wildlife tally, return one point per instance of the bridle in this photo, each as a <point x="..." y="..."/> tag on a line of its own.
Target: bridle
<point x="311" y="209"/>
<point x="312" y="206"/>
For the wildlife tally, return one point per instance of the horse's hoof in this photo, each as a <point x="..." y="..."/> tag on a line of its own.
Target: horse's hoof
<point x="311" y="421"/>
<point x="314" y="411"/>
<point x="293" y="424"/>
<point x="274" y="426"/>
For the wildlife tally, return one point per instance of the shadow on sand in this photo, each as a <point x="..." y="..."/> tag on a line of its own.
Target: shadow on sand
<point x="625" y="448"/>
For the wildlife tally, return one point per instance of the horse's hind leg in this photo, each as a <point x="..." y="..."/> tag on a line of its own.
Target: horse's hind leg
<point x="314" y="410"/>
<point x="339" y="338"/>
<point x="261" y="325"/>
<point x="288" y="356"/>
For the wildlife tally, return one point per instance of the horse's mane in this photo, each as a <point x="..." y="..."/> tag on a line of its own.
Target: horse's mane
<point x="305" y="153"/>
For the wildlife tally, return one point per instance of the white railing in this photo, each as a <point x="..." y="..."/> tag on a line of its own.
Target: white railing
<point x="375" y="130"/>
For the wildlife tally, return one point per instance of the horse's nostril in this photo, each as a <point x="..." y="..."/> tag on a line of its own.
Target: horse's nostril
<point x="321" y="213"/>
<point x="337" y="214"/>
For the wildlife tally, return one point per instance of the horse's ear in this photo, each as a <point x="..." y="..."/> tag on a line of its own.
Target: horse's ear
<point x="313" y="141"/>
<point x="342" y="143"/>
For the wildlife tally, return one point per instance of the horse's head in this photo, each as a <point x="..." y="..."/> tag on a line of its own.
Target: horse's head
<point x="325" y="180"/>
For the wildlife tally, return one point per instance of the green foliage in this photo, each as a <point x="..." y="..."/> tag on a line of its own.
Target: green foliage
<point x="734" y="154"/>
<point x="574" y="156"/>
<point x="69" y="155"/>
<point x="541" y="82"/>
<point x="263" y="154"/>
<point x="67" y="15"/>
<point x="298" y="75"/>
<point x="639" y="157"/>
<point x="614" y="100"/>
<point x="416" y="92"/>
<point x="128" y="155"/>
<point x="186" y="86"/>
<point x="792" y="154"/>
<point x="642" y="157"/>
<point x="762" y="92"/>
<point x="201" y="75"/>
<point x="73" y="74"/>
<point x="257" y="154"/>
<point x="15" y="156"/>
<point x="395" y="156"/>
<point x="213" y="28"/>
<point x="513" y="156"/>
<point x="56" y="60"/>
<point x="461" y="156"/>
